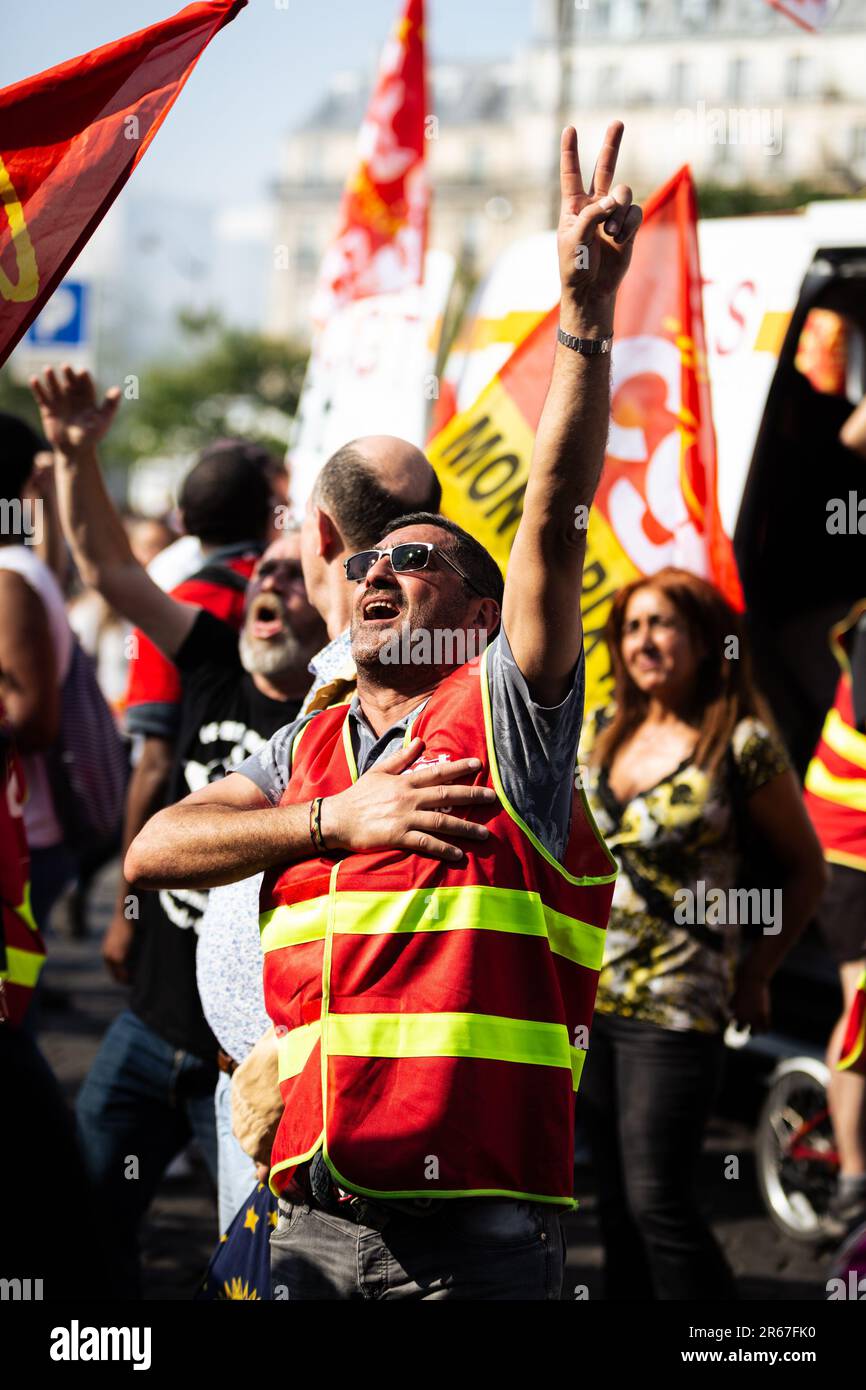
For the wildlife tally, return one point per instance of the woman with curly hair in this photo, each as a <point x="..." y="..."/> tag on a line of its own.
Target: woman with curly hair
<point x="682" y="771"/>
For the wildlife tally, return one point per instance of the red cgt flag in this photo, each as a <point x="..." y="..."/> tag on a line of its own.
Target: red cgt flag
<point x="70" y="138"/>
<point x="380" y="241"/>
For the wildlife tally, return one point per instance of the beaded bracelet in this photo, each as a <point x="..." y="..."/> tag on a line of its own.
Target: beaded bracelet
<point x="316" y="823"/>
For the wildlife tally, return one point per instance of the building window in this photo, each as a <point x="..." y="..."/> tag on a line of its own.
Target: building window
<point x="598" y="14"/>
<point x="607" y="88"/>
<point x="858" y="144"/>
<point x="476" y="163"/>
<point x="797" y="76"/>
<point x="313" y="162"/>
<point x="694" y="13"/>
<point x="738" y="71"/>
<point x="307" y="252"/>
<point x="681" y="82"/>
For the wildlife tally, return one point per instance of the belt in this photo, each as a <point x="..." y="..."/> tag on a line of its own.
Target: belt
<point x="226" y="1063"/>
<point x="325" y="1194"/>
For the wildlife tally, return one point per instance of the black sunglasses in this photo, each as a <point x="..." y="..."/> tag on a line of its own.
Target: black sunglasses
<point x="408" y="556"/>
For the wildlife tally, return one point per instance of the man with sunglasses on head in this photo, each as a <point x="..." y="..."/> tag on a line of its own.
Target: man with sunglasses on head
<point x="432" y="947"/>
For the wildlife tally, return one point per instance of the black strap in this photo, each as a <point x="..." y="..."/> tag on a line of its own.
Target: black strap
<point x="219" y="574"/>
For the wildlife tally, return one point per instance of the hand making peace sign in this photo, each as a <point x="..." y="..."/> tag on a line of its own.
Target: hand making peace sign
<point x="593" y="258"/>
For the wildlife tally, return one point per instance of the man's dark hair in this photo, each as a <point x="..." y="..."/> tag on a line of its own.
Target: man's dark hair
<point x="19" y="445"/>
<point x="226" y="496"/>
<point x="348" y="489"/>
<point x="465" y="550"/>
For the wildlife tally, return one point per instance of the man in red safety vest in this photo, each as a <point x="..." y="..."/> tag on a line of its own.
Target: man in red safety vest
<point x="435" y="893"/>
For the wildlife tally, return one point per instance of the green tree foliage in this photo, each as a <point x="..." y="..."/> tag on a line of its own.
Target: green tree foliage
<point x="227" y="381"/>
<point x="230" y="382"/>
<point x="718" y="200"/>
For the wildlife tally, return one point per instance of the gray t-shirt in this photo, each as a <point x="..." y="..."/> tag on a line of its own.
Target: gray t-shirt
<point x="536" y="747"/>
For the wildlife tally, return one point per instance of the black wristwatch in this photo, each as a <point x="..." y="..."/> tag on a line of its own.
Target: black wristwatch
<point x="587" y="347"/>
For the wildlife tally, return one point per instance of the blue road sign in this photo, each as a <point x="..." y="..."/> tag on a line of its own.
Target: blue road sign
<point x="63" y="321"/>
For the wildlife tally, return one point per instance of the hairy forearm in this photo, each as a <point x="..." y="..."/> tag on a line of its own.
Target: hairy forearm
<point x="203" y="846"/>
<point x="572" y="433"/>
<point x="91" y="523"/>
<point x="541" y="614"/>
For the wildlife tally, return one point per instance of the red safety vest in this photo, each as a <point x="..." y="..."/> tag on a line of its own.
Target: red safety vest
<point x="835" y="784"/>
<point x="433" y="1019"/>
<point x="24" y="950"/>
<point x="852" y="1056"/>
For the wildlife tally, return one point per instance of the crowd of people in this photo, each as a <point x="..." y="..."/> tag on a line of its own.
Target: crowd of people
<point x="380" y="920"/>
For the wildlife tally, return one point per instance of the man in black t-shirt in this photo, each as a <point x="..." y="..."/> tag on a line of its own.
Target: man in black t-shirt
<point x="151" y="1086"/>
<point x="224" y="717"/>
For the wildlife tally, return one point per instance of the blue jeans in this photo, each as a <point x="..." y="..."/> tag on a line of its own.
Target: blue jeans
<point x="237" y="1171"/>
<point x="140" y="1104"/>
<point x="479" y="1249"/>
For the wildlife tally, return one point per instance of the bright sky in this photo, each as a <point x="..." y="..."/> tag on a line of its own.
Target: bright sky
<point x="259" y="76"/>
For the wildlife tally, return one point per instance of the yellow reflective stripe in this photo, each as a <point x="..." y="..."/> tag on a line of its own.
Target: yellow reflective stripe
<point x="521" y="824"/>
<point x="449" y="1035"/>
<point x="292" y="926"/>
<point x="473" y="908"/>
<point x="846" y="791"/>
<point x="349" y="750"/>
<point x="841" y="856"/>
<point x="578" y="1057"/>
<point x="575" y="940"/>
<point x="843" y="739"/>
<point x="855" y="1052"/>
<point x="294" y="1049"/>
<point x="25" y="909"/>
<point x="293" y="1162"/>
<point x="296" y="743"/>
<point x="22" y="967"/>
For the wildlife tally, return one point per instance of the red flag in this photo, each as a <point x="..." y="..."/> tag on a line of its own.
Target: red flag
<point x="659" y="486"/>
<point x="656" y="503"/>
<point x="809" y="14"/>
<point x="70" y="138"/>
<point x="380" y="242"/>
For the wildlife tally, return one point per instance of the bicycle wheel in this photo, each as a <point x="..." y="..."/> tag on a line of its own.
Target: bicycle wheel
<point x="795" y="1151"/>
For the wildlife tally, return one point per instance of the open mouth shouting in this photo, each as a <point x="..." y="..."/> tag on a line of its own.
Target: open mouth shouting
<point x="266" y="617"/>
<point x="381" y="607"/>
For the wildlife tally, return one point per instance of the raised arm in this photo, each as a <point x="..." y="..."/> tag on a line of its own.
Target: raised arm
<point x="541" y="607"/>
<point x="74" y="422"/>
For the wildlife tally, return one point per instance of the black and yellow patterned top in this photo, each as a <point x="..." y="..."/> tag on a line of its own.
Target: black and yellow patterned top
<point x="682" y="833"/>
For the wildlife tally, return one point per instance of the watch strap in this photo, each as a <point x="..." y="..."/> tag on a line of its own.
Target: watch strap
<point x="587" y="347"/>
